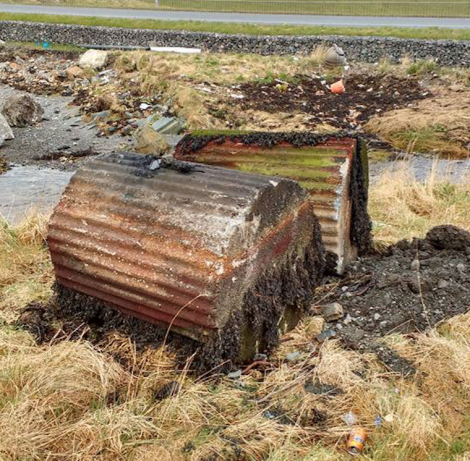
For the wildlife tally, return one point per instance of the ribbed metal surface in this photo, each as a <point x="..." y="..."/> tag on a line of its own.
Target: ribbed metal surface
<point x="324" y="169"/>
<point x="163" y="245"/>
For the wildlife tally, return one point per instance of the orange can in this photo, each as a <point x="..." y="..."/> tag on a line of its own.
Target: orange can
<point x="356" y="440"/>
<point x="338" y="87"/>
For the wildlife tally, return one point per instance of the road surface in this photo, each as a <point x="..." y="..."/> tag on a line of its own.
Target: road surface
<point x="290" y="19"/>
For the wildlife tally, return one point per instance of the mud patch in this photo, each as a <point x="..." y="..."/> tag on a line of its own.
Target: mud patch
<point x="365" y="97"/>
<point x="413" y="286"/>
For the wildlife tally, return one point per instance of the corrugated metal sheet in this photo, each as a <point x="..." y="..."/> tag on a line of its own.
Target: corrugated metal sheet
<point x="324" y="169"/>
<point x="171" y="248"/>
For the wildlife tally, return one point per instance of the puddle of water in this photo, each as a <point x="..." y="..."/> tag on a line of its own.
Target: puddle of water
<point x="421" y="167"/>
<point x="27" y="188"/>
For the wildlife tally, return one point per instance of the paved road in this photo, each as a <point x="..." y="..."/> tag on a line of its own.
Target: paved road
<point x="291" y="19"/>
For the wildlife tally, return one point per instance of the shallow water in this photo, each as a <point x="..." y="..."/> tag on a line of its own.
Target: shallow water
<point x="27" y="188"/>
<point x="421" y="167"/>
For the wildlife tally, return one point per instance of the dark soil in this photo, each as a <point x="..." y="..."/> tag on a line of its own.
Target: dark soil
<point x="365" y="96"/>
<point x="411" y="287"/>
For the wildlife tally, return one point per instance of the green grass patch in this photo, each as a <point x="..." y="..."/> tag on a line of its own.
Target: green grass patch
<point x="249" y="29"/>
<point x="429" y="139"/>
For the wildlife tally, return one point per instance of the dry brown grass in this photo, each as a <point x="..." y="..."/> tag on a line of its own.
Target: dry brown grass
<point x="440" y="125"/>
<point x="25" y="268"/>
<point x="402" y="207"/>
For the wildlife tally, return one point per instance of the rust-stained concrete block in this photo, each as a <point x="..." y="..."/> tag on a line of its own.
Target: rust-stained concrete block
<point x="333" y="168"/>
<point x="224" y="257"/>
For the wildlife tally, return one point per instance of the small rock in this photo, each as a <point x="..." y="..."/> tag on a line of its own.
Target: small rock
<point x="5" y="130"/>
<point x="260" y="357"/>
<point x="325" y="335"/>
<point x="347" y="320"/>
<point x="74" y="72"/>
<point x="461" y="268"/>
<point x="333" y="311"/>
<point x="292" y="356"/>
<point x="150" y="142"/>
<point x="155" y="165"/>
<point x="235" y="374"/>
<point x="415" y="265"/>
<point x="377" y="316"/>
<point x="22" y="110"/>
<point x="442" y="284"/>
<point x="318" y="388"/>
<point x="96" y="59"/>
<point x="167" y="125"/>
<point x="168" y="390"/>
<point x="314" y="325"/>
<point x="352" y="334"/>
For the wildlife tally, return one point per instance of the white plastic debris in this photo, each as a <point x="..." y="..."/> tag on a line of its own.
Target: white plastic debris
<point x="175" y="49"/>
<point x="350" y="418"/>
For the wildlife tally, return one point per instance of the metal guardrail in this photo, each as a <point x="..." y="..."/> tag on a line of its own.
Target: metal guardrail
<point x="345" y="8"/>
<point x="406" y="8"/>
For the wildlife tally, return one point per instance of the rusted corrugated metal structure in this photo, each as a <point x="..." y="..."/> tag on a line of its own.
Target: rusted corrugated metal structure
<point x="218" y="255"/>
<point x="333" y="168"/>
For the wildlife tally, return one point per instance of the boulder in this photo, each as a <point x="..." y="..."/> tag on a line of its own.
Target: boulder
<point x="22" y="110"/>
<point x="5" y="130"/>
<point x="150" y="142"/>
<point x="96" y="59"/>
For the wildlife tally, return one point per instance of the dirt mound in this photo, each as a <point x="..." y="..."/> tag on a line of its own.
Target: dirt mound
<point x="365" y="96"/>
<point x="413" y="286"/>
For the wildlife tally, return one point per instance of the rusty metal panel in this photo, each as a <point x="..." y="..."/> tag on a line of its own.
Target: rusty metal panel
<point x="323" y="165"/>
<point x="172" y="248"/>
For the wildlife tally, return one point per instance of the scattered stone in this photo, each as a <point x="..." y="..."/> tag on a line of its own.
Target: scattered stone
<point x="74" y="72"/>
<point x="167" y="125"/>
<point x="292" y="356"/>
<point x="155" y="165"/>
<point x="96" y="59"/>
<point x="325" y="335"/>
<point x="442" y="284"/>
<point x="314" y="325"/>
<point x="332" y="312"/>
<point x="22" y="110"/>
<point x="377" y="316"/>
<point x="260" y="357"/>
<point x="415" y="265"/>
<point x="352" y="335"/>
<point x="5" y="131"/>
<point x="347" y="320"/>
<point x="235" y="374"/>
<point x="461" y="268"/>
